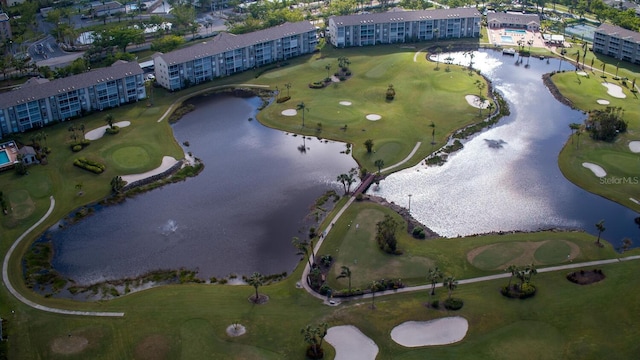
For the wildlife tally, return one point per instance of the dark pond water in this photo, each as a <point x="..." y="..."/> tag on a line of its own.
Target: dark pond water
<point x="237" y="216"/>
<point x="517" y="186"/>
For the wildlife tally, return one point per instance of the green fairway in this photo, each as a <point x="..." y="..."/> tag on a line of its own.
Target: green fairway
<point x="562" y="321"/>
<point x="615" y="158"/>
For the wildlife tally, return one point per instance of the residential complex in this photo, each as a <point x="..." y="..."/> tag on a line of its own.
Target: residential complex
<point x="618" y="42"/>
<point x="40" y="101"/>
<point x="497" y="20"/>
<point x="403" y="26"/>
<point x="228" y="54"/>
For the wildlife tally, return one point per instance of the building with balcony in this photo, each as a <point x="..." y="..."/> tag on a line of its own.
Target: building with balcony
<point x="228" y="54"/>
<point x="403" y="26"/>
<point x="617" y="42"/>
<point x="5" y="27"/>
<point x="39" y="101"/>
<point x="499" y="20"/>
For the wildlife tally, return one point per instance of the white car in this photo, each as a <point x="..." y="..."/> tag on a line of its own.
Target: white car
<point x="151" y="77"/>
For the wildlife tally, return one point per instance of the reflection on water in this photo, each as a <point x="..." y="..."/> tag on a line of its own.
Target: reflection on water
<point x="507" y="177"/>
<point x="237" y="216"/>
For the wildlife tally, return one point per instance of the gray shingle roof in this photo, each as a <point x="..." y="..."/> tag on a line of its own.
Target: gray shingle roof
<point x="402" y="16"/>
<point x="225" y="42"/>
<point x="511" y="18"/>
<point x="34" y="90"/>
<point x="619" y="32"/>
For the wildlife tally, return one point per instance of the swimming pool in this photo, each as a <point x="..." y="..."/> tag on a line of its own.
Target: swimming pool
<point x="515" y="32"/>
<point x="506" y="39"/>
<point x="4" y="157"/>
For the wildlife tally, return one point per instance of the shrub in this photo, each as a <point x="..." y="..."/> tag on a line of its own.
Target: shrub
<point x="316" y="85"/>
<point x="93" y="166"/>
<point x="76" y="148"/>
<point x="453" y="304"/>
<point x="348" y="73"/>
<point x="418" y="233"/>
<point x="342" y="78"/>
<point x="435" y="304"/>
<point x="112" y="131"/>
<point x="283" y="99"/>
<point x="324" y="289"/>
<point x="359" y="197"/>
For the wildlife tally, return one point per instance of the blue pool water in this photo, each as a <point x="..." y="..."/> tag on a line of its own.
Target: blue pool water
<point x="4" y="157"/>
<point x="506" y="39"/>
<point x="515" y="32"/>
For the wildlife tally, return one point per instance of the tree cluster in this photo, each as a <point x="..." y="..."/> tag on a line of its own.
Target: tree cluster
<point x="386" y="235"/>
<point x="606" y="124"/>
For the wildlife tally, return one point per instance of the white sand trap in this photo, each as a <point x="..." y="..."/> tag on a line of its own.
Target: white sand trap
<point x="290" y="112"/>
<point x="582" y="73"/>
<point x="635" y="201"/>
<point x="435" y="332"/>
<point x="167" y="162"/>
<point x="634" y="146"/>
<point x="614" y="90"/>
<point x="474" y="101"/>
<point x="351" y="344"/>
<point x="603" y="102"/>
<point x="373" y="117"/>
<point x="345" y="103"/>
<point x="96" y="134"/>
<point x="597" y="169"/>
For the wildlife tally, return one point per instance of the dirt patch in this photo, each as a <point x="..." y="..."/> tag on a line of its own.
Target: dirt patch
<point x="68" y="345"/>
<point x="587" y="277"/>
<point x="152" y="347"/>
<point x="262" y="299"/>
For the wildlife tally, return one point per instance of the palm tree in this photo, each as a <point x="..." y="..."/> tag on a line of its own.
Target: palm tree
<point x="43" y="135"/>
<point x="490" y="107"/>
<point x="117" y="184"/>
<point x="369" y="145"/>
<point x="450" y="283"/>
<point x="256" y="280"/>
<point x="72" y="130"/>
<point x="438" y="51"/>
<point x="302" y="247"/>
<point x="328" y="68"/>
<point x="600" y="227"/>
<point x="345" y="273"/>
<point x="617" y="66"/>
<point x="81" y="128"/>
<point x="379" y="164"/>
<point x="513" y="270"/>
<point x="373" y="287"/>
<point x="303" y="108"/>
<point x="314" y="336"/>
<point x="288" y="86"/>
<point x="574" y="127"/>
<point x="592" y="60"/>
<point x="604" y="66"/>
<point x="109" y="120"/>
<point x="434" y="275"/>
<point x="433" y="133"/>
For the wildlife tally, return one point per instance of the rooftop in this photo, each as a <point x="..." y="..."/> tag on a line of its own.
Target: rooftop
<point x="512" y="18"/>
<point x="403" y="16"/>
<point x="618" y="32"/>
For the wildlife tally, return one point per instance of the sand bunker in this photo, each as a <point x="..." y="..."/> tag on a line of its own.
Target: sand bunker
<point x="582" y="73"/>
<point x="596" y="169"/>
<point x="474" y="101"/>
<point x="351" y="344"/>
<point x="96" y="134"/>
<point x="634" y="146"/>
<point x="614" y="90"/>
<point x="373" y="117"/>
<point x="290" y="112"/>
<point x="167" y="162"/>
<point x="345" y="103"/>
<point x="435" y="332"/>
<point x="603" y="102"/>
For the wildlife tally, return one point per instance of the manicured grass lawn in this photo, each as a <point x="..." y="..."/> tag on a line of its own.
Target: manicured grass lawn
<point x="615" y="158"/>
<point x="188" y="321"/>
<point x="423" y="95"/>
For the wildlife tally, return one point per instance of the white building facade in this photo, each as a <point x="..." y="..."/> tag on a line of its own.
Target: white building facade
<point x="617" y="42"/>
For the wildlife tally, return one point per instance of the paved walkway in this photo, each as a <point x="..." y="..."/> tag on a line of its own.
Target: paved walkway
<point x="14" y="292"/>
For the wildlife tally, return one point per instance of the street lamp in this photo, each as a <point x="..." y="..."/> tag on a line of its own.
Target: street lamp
<point x="409" y="203"/>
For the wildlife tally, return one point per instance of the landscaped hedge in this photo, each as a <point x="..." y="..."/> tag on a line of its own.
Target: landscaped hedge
<point x="317" y="85"/>
<point x="523" y="291"/>
<point x="79" y="145"/>
<point x="280" y="100"/>
<point x="93" y="166"/>
<point x="453" y="304"/>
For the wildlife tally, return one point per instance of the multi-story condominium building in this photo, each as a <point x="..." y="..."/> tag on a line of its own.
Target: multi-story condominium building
<point x="5" y="27"/>
<point x="227" y="54"/>
<point x="403" y="26"/>
<point x="39" y="101"/>
<point x="618" y="42"/>
<point x="496" y="20"/>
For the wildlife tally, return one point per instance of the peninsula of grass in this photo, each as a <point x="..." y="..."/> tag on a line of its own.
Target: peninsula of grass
<point x="614" y="157"/>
